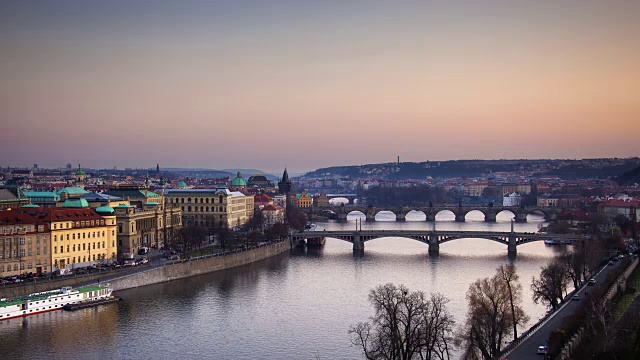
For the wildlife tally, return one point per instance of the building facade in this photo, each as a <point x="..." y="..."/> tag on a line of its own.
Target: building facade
<point x="211" y="207"/>
<point x="151" y="226"/>
<point x="24" y="243"/>
<point x="304" y="200"/>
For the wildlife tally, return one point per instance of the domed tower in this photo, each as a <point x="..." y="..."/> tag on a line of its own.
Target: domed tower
<point x="238" y="183"/>
<point x="79" y="177"/>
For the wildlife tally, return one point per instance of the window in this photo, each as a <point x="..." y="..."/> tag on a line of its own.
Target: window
<point x="98" y="245"/>
<point x="74" y="247"/>
<point x="21" y="266"/>
<point x="55" y="250"/>
<point x="67" y="237"/>
<point x="15" y="267"/>
<point x="82" y="223"/>
<point x="94" y="246"/>
<point x="44" y="250"/>
<point x="103" y="244"/>
<point x="73" y="236"/>
<point x="21" y="252"/>
<point x="119" y="228"/>
<point x="55" y="226"/>
<point x="29" y="266"/>
<point x="55" y="237"/>
<point x="103" y="234"/>
<point x="83" y="246"/>
<point x="189" y="208"/>
<point x="67" y="248"/>
<point x="29" y="252"/>
<point x="82" y="235"/>
<point x="74" y="260"/>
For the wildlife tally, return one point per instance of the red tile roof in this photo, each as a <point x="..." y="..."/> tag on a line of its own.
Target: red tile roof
<point x="620" y="203"/>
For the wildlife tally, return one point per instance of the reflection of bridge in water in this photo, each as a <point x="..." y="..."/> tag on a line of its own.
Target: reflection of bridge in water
<point x="434" y="238"/>
<point x="460" y="212"/>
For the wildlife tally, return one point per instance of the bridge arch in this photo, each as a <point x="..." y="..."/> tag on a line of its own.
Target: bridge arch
<point x="416" y="215"/>
<point x="385" y="215"/>
<point x="475" y="215"/>
<point x="356" y="214"/>
<point x="538" y="211"/>
<point x="505" y="215"/>
<point x="445" y="215"/>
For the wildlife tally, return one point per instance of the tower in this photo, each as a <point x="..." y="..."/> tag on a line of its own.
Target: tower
<point x="79" y="177"/>
<point x="158" y="169"/>
<point x="284" y="185"/>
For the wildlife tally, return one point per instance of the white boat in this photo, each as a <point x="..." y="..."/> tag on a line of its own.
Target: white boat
<point x="50" y="300"/>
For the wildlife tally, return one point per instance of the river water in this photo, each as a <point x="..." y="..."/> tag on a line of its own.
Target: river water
<point x="294" y="306"/>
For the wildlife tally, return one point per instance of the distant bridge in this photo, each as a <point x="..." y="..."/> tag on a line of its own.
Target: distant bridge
<point x="435" y="238"/>
<point x="460" y="212"/>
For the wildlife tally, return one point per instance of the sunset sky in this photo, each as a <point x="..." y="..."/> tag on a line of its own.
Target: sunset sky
<point x="261" y="84"/>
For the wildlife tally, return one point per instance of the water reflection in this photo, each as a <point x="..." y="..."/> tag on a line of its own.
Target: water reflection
<point x="293" y="306"/>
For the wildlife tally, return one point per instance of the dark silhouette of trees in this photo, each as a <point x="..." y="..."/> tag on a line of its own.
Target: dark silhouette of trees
<point x="508" y="275"/>
<point x="406" y="325"/>
<point x="494" y="311"/>
<point x="552" y="285"/>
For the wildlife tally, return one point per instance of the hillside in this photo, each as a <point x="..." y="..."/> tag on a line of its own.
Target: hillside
<point x="470" y="168"/>
<point x="629" y="178"/>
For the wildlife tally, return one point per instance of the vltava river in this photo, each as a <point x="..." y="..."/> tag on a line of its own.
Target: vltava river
<point x="295" y="306"/>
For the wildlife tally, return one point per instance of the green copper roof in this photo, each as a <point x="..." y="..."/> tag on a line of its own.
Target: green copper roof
<point x="151" y="194"/>
<point x="79" y="172"/>
<point x="152" y="203"/>
<point x="73" y="190"/>
<point x="76" y="203"/>
<point x="238" y="181"/>
<point x="30" y="206"/>
<point x="182" y="184"/>
<point x="105" y="210"/>
<point x="40" y="194"/>
<point x="123" y="206"/>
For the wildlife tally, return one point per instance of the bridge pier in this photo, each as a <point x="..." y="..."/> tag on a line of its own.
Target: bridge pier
<point x="434" y="245"/>
<point x="490" y="217"/>
<point x="371" y="217"/>
<point x="358" y="245"/>
<point x="460" y="217"/>
<point x="400" y="217"/>
<point x="342" y="217"/>
<point x="431" y="217"/>
<point x="521" y="218"/>
<point x="511" y="248"/>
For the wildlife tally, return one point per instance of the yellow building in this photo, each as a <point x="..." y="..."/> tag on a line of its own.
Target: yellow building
<point x="80" y="237"/>
<point x="211" y="207"/>
<point x="304" y="200"/>
<point x="24" y="242"/>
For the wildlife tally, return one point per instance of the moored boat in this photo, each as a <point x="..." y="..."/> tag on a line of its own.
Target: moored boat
<point x="50" y="300"/>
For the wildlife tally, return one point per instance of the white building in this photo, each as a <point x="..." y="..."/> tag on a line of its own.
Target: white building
<point x="513" y="199"/>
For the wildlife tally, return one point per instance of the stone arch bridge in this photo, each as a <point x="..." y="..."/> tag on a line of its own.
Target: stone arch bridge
<point x="460" y="212"/>
<point x="435" y="238"/>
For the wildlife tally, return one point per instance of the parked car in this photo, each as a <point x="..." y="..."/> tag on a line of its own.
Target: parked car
<point x="575" y="297"/>
<point x="542" y="350"/>
<point x="611" y="263"/>
<point x="173" y="257"/>
<point x="591" y="282"/>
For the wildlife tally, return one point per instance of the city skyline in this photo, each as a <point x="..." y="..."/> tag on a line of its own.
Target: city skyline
<point x="263" y="85"/>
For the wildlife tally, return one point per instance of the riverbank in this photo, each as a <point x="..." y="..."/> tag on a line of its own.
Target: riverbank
<point x="193" y="267"/>
<point x="160" y="273"/>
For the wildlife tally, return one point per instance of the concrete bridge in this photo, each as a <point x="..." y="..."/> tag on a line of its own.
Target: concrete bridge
<point x="460" y="212"/>
<point x="435" y="238"/>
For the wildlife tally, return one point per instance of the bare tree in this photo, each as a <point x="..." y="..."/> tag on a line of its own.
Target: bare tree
<point x="405" y="325"/>
<point x="507" y="273"/>
<point x="490" y="316"/>
<point x="551" y="286"/>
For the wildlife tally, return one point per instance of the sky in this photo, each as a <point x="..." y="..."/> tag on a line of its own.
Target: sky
<point x="309" y="84"/>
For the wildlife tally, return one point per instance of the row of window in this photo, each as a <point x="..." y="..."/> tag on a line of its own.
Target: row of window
<point x="84" y="247"/>
<point x="195" y="200"/>
<point x="78" y="224"/>
<point x="206" y="208"/>
<point x="14" y="253"/>
<point x="15" y="266"/>
<point x="89" y="235"/>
